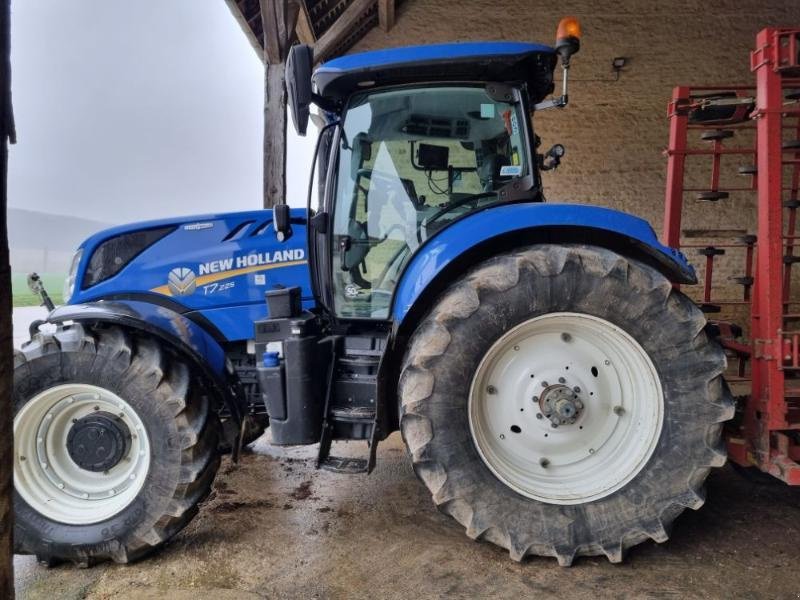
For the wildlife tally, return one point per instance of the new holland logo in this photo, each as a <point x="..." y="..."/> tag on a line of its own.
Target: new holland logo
<point x="181" y="281"/>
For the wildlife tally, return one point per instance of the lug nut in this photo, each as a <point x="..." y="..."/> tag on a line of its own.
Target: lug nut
<point x="565" y="337"/>
<point x="619" y="411"/>
<point x="544" y="463"/>
<point x="554" y="425"/>
<point x="535" y="398"/>
<point x="576" y="389"/>
<point x="539" y="416"/>
<point x="491" y="389"/>
<point x="545" y="384"/>
<point x="561" y="380"/>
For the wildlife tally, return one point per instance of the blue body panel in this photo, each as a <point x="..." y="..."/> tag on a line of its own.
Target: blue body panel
<point x="230" y="294"/>
<point x="168" y="323"/>
<point x="478" y="227"/>
<point x="234" y="258"/>
<point x="432" y="52"/>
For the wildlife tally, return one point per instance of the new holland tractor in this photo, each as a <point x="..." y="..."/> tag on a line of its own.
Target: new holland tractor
<point x="557" y="394"/>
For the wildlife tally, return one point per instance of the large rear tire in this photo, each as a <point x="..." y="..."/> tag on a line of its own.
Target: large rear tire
<point x="564" y="401"/>
<point x="115" y="446"/>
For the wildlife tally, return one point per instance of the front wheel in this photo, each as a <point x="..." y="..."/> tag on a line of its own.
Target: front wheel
<point x="564" y="401"/>
<point x="114" y="447"/>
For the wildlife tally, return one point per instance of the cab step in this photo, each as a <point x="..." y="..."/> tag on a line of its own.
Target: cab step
<point x="350" y="407"/>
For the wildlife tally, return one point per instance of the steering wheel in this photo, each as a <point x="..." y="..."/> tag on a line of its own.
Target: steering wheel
<point x="447" y="208"/>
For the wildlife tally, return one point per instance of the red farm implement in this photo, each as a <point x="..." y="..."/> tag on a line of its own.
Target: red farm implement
<point x="749" y="138"/>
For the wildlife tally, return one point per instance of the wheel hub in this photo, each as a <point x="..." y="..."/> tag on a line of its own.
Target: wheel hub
<point x="82" y="453"/>
<point x="561" y="404"/>
<point x="565" y="408"/>
<point x="99" y="441"/>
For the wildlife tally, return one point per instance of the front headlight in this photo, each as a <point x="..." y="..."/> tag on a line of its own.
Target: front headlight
<point x="69" y="282"/>
<point x="111" y="256"/>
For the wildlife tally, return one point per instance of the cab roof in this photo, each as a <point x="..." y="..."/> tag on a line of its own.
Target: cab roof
<point x="503" y="62"/>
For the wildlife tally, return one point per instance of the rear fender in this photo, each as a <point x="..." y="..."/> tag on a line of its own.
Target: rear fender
<point x="185" y="337"/>
<point x="489" y="232"/>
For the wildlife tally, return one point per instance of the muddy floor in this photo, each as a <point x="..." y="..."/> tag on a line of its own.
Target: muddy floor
<point x="276" y="528"/>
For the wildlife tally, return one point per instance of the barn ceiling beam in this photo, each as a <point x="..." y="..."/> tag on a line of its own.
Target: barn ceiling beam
<point x="341" y="28"/>
<point x="386" y="14"/>
<point x="304" y="29"/>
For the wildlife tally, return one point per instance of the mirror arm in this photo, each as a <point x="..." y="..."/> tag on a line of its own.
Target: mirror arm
<point x="562" y="100"/>
<point x="325" y="103"/>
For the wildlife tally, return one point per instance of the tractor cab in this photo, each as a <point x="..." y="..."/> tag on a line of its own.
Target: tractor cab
<point x="414" y="139"/>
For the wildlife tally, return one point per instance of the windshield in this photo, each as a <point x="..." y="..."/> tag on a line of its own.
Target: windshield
<point x="411" y="161"/>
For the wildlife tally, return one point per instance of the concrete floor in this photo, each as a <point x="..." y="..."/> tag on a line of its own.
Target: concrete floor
<point x="276" y="528"/>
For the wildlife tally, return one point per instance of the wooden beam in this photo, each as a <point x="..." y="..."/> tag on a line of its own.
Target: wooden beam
<point x="340" y="29"/>
<point x="305" y="32"/>
<point x="6" y="339"/>
<point x="272" y="17"/>
<point x="274" y="135"/>
<point x="386" y="14"/>
<point x="233" y="5"/>
<point x="289" y="28"/>
<point x="279" y="19"/>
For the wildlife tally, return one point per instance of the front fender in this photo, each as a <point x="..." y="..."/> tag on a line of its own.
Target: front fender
<point x="479" y="235"/>
<point x="186" y="336"/>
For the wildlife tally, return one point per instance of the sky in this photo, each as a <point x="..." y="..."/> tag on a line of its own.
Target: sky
<point x="128" y="111"/>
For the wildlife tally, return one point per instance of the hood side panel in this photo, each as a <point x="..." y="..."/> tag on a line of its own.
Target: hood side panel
<point x="211" y="264"/>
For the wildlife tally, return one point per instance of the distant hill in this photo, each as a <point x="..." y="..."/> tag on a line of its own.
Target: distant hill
<point x="45" y="242"/>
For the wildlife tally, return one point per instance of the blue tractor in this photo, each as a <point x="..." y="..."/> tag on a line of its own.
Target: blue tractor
<point x="557" y="394"/>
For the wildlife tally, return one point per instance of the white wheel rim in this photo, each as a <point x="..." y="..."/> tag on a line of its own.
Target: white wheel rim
<point x="48" y="479"/>
<point x="613" y="434"/>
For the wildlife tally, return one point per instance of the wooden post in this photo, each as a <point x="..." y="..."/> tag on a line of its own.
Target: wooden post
<point x="274" y="135"/>
<point x="6" y="342"/>
<point x="278" y="18"/>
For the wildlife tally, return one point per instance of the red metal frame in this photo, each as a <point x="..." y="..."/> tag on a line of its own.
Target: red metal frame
<point x="767" y="434"/>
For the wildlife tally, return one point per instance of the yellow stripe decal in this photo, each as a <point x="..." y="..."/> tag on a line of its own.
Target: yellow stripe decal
<point x="214" y="277"/>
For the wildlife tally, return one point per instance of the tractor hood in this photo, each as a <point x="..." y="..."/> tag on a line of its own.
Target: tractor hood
<point x="192" y="263"/>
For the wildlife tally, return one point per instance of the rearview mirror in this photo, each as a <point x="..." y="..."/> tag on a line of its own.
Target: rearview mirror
<point x="282" y="221"/>
<point x="299" y="65"/>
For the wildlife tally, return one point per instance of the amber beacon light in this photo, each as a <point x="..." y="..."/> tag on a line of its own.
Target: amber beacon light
<point x="568" y="38"/>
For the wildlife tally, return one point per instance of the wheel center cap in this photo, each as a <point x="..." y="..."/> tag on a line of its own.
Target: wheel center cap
<point x="99" y="441"/>
<point x="561" y="404"/>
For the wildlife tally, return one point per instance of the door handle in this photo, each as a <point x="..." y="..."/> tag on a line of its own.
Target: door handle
<point x="345" y="243"/>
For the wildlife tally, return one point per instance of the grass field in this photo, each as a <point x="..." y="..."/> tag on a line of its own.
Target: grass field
<point x="22" y="296"/>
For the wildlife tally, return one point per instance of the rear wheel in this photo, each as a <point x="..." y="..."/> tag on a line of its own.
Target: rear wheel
<point x="564" y="401"/>
<point x="114" y="447"/>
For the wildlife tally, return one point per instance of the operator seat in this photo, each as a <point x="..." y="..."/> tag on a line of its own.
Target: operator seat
<point x="489" y="171"/>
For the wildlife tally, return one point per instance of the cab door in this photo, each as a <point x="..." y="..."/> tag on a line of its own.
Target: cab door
<point x="319" y="216"/>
